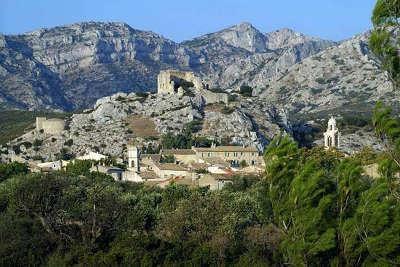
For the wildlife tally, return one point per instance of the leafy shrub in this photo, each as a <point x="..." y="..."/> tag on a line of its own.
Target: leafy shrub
<point x="37" y="143"/>
<point x="232" y="98"/>
<point x="69" y="142"/>
<point x="167" y="159"/>
<point x="246" y="91"/>
<point x="8" y="170"/>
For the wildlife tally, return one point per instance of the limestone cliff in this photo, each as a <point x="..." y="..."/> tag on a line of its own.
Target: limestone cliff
<point x="69" y="67"/>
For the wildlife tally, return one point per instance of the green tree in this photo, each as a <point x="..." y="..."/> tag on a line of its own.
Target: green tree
<point x="79" y="167"/>
<point x="386" y="12"/>
<point x="281" y="165"/>
<point x="167" y="159"/>
<point x="384" y="40"/>
<point x="310" y="220"/>
<point x="246" y="91"/>
<point x="8" y="170"/>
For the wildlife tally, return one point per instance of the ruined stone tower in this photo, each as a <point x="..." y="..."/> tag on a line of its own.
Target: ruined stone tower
<point x="168" y="81"/>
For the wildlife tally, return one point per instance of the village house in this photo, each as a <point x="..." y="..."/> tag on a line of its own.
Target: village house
<point x="214" y="182"/>
<point x="235" y="155"/>
<point x="167" y="170"/>
<point x="185" y="156"/>
<point x="92" y="156"/>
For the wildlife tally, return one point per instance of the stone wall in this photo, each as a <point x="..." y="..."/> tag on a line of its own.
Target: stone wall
<point x="50" y="126"/>
<point x="211" y="97"/>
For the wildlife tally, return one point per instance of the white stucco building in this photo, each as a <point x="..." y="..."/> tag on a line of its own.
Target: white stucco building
<point x="332" y="135"/>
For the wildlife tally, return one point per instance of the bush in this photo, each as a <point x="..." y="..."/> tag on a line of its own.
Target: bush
<point x="217" y="90"/>
<point x="8" y="170"/>
<point x="64" y="154"/>
<point x="16" y="149"/>
<point x="246" y="91"/>
<point x="79" y="167"/>
<point x="27" y="144"/>
<point x="232" y="98"/>
<point x="167" y="159"/>
<point x="37" y="143"/>
<point x="37" y="157"/>
<point x="202" y="141"/>
<point x="69" y="142"/>
<point x="194" y="126"/>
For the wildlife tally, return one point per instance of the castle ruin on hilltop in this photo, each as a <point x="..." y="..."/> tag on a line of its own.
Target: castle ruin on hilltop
<point x="177" y="82"/>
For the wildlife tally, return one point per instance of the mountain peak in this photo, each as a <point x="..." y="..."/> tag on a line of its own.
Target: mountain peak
<point x="244" y="25"/>
<point x="243" y="35"/>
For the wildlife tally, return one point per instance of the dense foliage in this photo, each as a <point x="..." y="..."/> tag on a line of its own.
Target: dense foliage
<point x="186" y="139"/>
<point x="312" y="208"/>
<point x="246" y="91"/>
<point x="385" y="38"/>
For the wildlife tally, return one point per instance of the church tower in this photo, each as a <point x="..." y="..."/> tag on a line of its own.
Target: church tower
<point x="332" y="135"/>
<point x="133" y="158"/>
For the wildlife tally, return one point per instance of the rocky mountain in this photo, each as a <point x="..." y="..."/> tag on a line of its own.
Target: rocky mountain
<point x="69" y="67"/>
<point x="346" y="76"/>
<point x="344" y="81"/>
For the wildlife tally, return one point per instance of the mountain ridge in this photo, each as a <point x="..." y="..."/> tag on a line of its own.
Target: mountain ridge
<point x="69" y="67"/>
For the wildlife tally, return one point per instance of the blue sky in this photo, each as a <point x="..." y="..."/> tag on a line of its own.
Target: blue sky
<point x="184" y="19"/>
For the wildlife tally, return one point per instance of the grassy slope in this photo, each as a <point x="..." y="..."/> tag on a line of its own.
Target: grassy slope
<point x="13" y="123"/>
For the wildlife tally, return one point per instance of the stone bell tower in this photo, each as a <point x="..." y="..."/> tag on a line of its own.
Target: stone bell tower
<point x="332" y="135"/>
<point x="133" y="158"/>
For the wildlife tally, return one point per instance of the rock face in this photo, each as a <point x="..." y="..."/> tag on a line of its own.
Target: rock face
<point x="341" y="77"/>
<point x="70" y="67"/>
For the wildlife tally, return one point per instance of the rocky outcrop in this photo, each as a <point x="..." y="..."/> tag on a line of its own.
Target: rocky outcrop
<point x="107" y="127"/>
